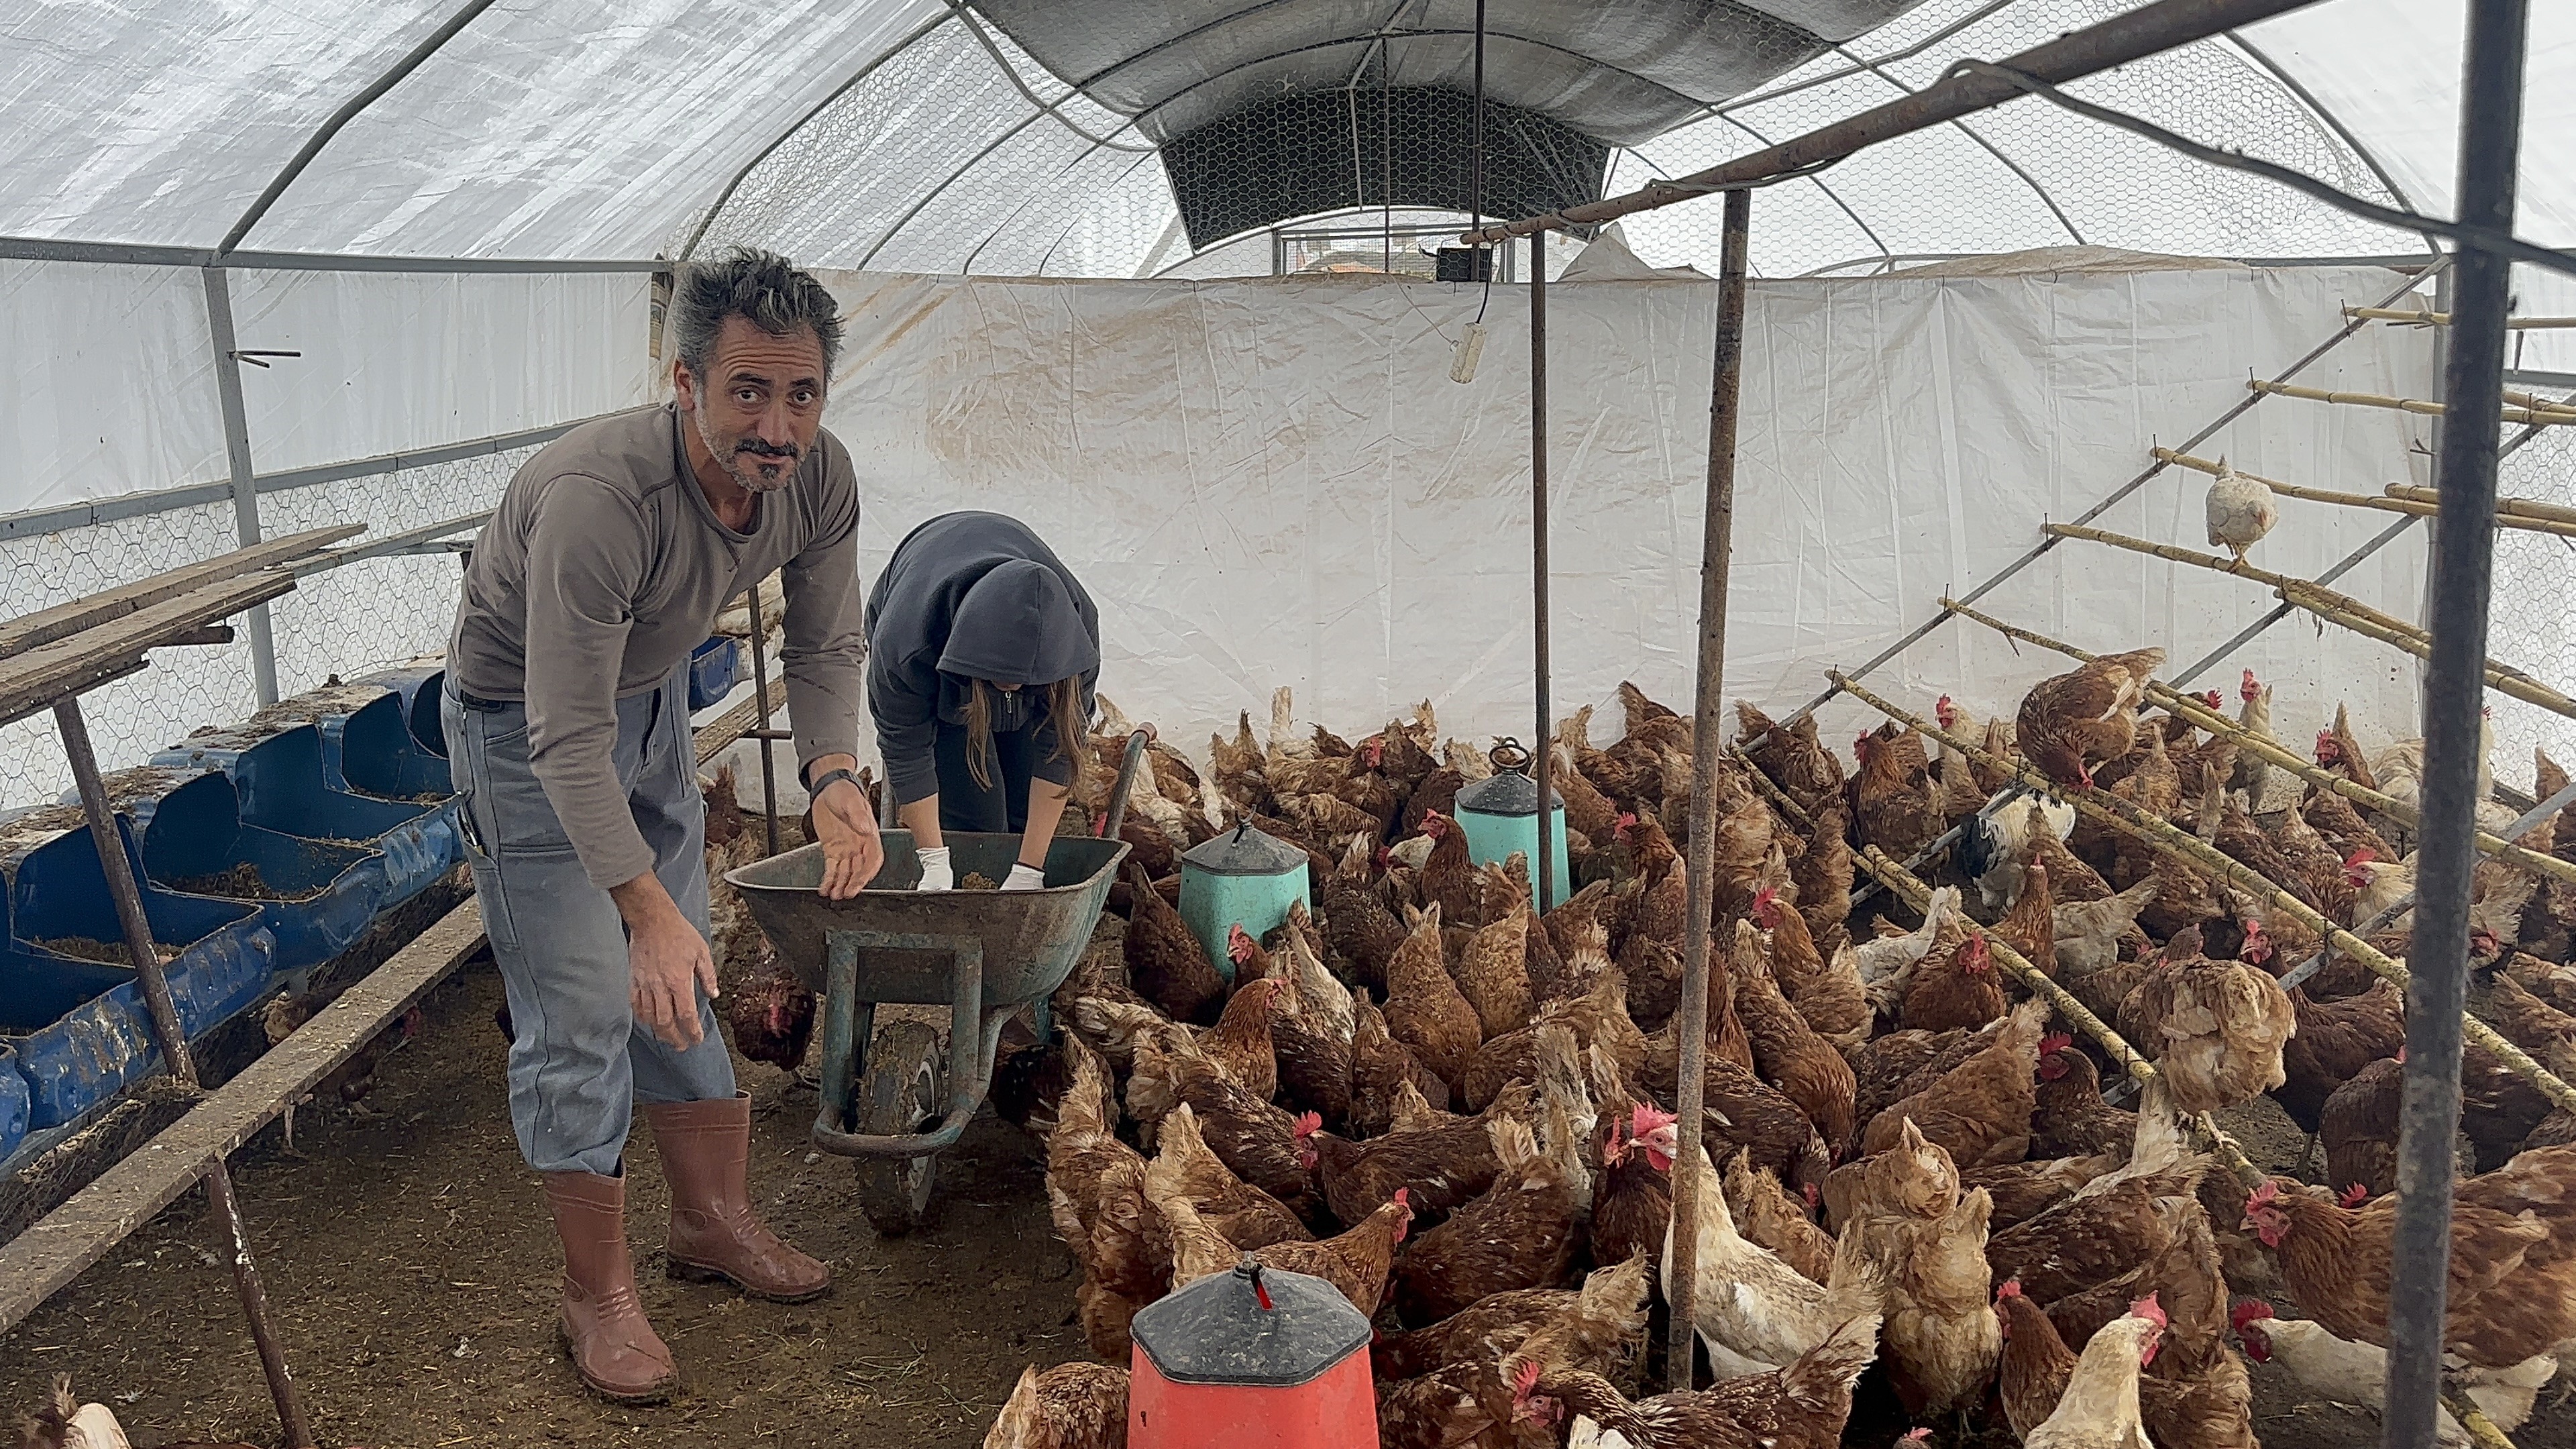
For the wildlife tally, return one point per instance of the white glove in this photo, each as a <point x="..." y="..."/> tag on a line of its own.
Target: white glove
<point x="936" y="873"/>
<point x="1025" y="878"/>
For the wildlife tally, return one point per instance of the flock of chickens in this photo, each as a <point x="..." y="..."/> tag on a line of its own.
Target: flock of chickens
<point x="1459" y="1110"/>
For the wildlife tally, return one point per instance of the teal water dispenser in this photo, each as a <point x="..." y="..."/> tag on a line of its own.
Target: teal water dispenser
<point x="1241" y="877"/>
<point x="1500" y="814"/>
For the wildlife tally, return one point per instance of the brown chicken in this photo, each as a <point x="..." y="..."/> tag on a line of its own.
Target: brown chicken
<point x="2070" y="1118"/>
<point x="1444" y="1168"/>
<point x="2024" y="1190"/>
<point x="1656" y="912"/>
<point x="1096" y="1198"/>
<point x="1357" y="1262"/>
<point x="2070" y="723"/>
<point x="1794" y="758"/>
<point x="1185" y="1166"/>
<point x="1254" y="1139"/>
<point x="1493" y="973"/>
<point x="1980" y="1110"/>
<point x="2038" y="1366"/>
<point x="1070" y="1406"/>
<point x="1827" y="994"/>
<point x="2215" y="1029"/>
<point x="1448" y="877"/>
<point x="2335" y="1040"/>
<point x="2358" y="1127"/>
<point x="1599" y="1019"/>
<point x="1520" y="1233"/>
<point x="2096" y="1237"/>
<point x="2513" y="1259"/>
<point x="1313" y="1042"/>
<point x="1460" y="1397"/>
<point x="1955" y="987"/>
<point x="1823" y="875"/>
<point x="1240" y="1043"/>
<point x="1802" y="1406"/>
<point x="1166" y="962"/>
<point x="1380" y="1067"/>
<point x="771" y="1013"/>
<point x="1892" y="797"/>
<point x="1424" y="1008"/>
<point x="2334" y="817"/>
<point x="1632" y="1196"/>
<point x="1787" y="1052"/>
<point x="1766" y="1214"/>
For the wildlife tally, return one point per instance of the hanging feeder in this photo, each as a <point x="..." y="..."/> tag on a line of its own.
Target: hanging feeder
<point x="1242" y="877"/>
<point x="1258" y="1358"/>
<point x="1500" y="816"/>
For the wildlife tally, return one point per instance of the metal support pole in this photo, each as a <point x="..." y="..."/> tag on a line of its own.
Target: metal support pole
<point x="2490" y="146"/>
<point x="1544" y="759"/>
<point x="128" y="895"/>
<point x="1717" y="545"/>
<point x="760" y="697"/>
<point x="228" y="392"/>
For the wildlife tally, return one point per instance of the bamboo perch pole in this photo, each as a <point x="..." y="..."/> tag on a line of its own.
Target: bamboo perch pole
<point x="2518" y="507"/>
<point x="2269" y="751"/>
<point x="2530" y="417"/>
<point x="2332" y="607"/>
<point x="2391" y="501"/>
<point x="2424" y="318"/>
<point x="2481" y="1429"/>
<point x="1905" y="885"/>
<point x="2120" y="815"/>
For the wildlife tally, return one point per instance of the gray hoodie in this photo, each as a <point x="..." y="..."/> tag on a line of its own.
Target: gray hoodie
<point x="971" y="596"/>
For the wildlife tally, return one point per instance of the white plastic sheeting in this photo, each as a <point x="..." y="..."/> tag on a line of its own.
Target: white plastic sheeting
<point x="1270" y="483"/>
<point x="107" y="377"/>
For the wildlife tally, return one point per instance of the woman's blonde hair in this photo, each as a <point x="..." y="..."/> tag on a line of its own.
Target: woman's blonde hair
<point x="1063" y="705"/>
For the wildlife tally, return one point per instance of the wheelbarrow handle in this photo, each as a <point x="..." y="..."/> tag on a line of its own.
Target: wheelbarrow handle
<point x="1127" y="767"/>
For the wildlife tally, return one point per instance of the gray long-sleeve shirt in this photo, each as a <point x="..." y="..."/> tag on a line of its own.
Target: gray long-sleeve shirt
<point x="605" y="565"/>
<point x="971" y="596"/>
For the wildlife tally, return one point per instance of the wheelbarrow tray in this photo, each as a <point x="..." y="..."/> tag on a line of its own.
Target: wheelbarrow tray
<point x="1030" y="939"/>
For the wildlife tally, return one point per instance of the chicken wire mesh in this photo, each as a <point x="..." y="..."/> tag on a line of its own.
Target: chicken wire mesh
<point x="2528" y="624"/>
<point x="347" y="621"/>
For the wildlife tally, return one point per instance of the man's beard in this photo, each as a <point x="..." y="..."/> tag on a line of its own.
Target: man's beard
<point x="742" y="461"/>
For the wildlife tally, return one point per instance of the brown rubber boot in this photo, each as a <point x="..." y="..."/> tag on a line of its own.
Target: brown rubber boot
<point x="614" y="1347"/>
<point x="706" y="1149"/>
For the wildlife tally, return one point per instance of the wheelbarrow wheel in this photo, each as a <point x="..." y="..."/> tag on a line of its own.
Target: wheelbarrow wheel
<point x="901" y="1093"/>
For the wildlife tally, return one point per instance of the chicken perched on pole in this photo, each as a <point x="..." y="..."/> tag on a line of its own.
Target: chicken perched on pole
<point x="2240" y="510"/>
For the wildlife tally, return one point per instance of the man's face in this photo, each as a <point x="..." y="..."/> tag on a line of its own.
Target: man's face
<point x="760" y="405"/>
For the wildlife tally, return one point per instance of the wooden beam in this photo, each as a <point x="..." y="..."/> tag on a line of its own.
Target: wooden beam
<point x="35" y="679"/>
<point x="31" y="631"/>
<point x="48" y="1256"/>
<point x="2513" y="507"/>
<point x="2546" y="416"/>
<point x="2420" y="317"/>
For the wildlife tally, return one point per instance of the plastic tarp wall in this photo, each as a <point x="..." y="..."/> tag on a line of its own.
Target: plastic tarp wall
<point x="1276" y="482"/>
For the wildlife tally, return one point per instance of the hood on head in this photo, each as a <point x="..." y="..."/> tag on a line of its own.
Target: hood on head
<point x="1018" y="625"/>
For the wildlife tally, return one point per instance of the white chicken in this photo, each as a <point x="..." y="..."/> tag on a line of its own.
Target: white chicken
<point x="2099" y="1409"/>
<point x="2240" y="510"/>
<point x="2355" y="1373"/>
<point x="1889" y="957"/>
<point x="1753" y="1311"/>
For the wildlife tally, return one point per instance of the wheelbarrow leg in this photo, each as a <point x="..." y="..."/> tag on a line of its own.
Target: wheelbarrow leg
<point x="847" y="1022"/>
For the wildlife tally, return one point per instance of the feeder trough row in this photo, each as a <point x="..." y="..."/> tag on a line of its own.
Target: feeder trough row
<point x="263" y="851"/>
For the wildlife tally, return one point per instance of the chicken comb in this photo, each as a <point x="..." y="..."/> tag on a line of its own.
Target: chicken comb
<point x="2264" y="1195"/>
<point x="1916" y="1436"/>
<point x="2010" y="1288"/>
<point x="2211" y="697"/>
<point x="1627" y="821"/>
<point x="1525" y="1378"/>
<point x="1308" y="1124"/>
<point x="2252" y="1310"/>
<point x="2364" y="856"/>
<point x="2150" y="1310"/>
<point x="1647" y="1118"/>
<point x="2353" y="1196"/>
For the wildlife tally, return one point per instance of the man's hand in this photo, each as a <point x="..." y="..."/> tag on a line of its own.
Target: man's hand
<point x="852" y="851"/>
<point x="666" y="961"/>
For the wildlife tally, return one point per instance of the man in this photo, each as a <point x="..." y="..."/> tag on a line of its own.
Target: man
<point x="568" y="735"/>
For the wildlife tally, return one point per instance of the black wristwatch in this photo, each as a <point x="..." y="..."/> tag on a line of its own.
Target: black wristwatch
<point x="815" y="790"/>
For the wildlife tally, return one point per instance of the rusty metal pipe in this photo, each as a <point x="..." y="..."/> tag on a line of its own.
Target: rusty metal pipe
<point x="1717" y="544"/>
<point x="760" y="695"/>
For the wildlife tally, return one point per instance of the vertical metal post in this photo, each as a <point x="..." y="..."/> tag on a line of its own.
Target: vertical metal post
<point x="228" y="393"/>
<point x="2454" y="690"/>
<point x="1543" y="868"/>
<point x="760" y="698"/>
<point x="1717" y="548"/>
<point x="128" y="895"/>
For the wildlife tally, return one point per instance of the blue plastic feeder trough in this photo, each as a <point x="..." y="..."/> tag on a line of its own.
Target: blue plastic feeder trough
<point x="13" y="1102"/>
<point x="278" y="776"/>
<point x="713" y="667"/>
<point x="315" y="896"/>
<point x="69" y="1003"/>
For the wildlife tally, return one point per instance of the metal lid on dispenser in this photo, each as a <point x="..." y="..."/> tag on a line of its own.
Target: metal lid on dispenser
<point x="1509" y="790"/>
<point x="1244" y="850"/>
<point x="1259" y="1327"/>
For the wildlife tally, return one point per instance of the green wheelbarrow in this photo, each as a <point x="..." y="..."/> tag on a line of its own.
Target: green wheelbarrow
<point x="895" y="1099"/>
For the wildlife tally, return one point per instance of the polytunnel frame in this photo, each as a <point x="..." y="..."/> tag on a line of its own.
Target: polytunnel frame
<point x="2492" y="93"/>
<point x="2479" y="274"/>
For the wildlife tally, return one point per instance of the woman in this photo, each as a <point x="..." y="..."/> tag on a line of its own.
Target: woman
<point x="982" y="653"/>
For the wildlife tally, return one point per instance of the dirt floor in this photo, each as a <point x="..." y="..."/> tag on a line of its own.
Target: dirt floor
<point x="410" y="1262"/>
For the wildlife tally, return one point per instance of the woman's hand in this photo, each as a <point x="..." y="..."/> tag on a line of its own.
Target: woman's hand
<point x="852" y="851"/>
<point x="1046" y="807"/>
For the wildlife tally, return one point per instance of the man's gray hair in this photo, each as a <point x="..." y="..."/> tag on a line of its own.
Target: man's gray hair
<point x="764" y="289"/>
